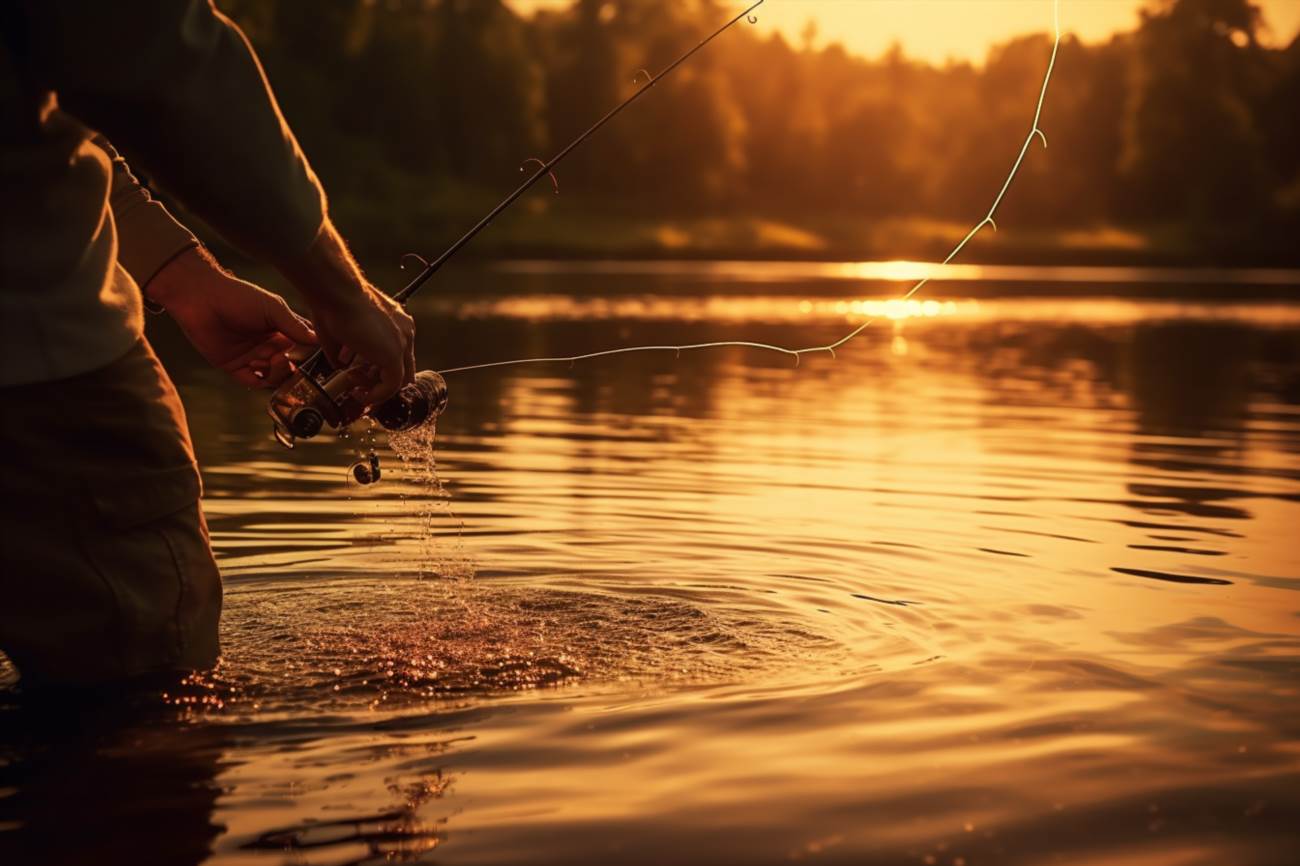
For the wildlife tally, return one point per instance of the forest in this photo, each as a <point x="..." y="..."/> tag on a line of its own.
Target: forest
<point x="1176" y="142"/>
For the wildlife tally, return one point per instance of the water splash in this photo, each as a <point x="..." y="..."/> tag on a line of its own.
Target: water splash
<point x="437" y="556"/>
<point x="354" y="644"/>
<point x="360" y="435"/>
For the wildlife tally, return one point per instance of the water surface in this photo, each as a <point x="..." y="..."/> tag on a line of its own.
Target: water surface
<point x="1005" y="582"/>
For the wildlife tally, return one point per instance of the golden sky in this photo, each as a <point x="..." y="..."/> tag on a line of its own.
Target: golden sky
<point x="935" y="30"/>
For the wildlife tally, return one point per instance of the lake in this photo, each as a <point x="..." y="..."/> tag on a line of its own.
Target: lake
<point x="1009" y="580"/>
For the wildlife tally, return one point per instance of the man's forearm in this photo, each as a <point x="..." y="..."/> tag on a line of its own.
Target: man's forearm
<point x="325" y="273"/>
<point x="355" y="321"/>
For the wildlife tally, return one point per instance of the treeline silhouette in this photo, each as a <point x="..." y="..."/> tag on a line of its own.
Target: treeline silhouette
<point x="1183" y="134"/>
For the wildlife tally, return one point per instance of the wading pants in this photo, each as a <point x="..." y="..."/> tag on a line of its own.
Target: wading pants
<point x="105" y="568"/>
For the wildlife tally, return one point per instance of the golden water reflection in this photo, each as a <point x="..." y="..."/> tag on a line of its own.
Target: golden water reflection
<point x="909" y="271"/>
<point x="1024" y="592"/>
<point x="794" y="309"/>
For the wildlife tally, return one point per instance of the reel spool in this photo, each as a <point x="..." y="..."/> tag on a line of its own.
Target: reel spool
<point x="414" y="404"/>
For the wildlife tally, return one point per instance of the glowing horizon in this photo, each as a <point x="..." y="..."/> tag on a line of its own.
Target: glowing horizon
<point x="963" y="30"/>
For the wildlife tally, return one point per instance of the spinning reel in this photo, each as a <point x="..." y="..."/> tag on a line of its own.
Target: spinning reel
<point x="318" y="395"/>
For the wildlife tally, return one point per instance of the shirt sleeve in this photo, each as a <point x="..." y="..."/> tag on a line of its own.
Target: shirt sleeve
<point x="177" y="86"/>
<point x="148" y="236"/>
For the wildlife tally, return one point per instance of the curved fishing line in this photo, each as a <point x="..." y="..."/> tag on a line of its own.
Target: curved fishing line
<point x="1034" y="132"/>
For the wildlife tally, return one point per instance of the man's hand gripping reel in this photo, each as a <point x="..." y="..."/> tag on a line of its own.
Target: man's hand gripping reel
<point x="318" y="395"/>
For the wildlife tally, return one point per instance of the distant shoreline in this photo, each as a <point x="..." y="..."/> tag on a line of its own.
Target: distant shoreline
<point x="586" y="236"/>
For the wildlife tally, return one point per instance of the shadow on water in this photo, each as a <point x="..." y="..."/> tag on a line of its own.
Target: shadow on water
<point x="103" y="780"/>
<point x="130" y="779"/>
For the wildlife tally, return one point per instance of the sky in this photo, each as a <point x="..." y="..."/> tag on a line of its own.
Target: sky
<point x="936" y="30"/>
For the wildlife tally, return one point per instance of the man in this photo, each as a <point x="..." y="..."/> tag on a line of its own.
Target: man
<point x="105" y="570"/>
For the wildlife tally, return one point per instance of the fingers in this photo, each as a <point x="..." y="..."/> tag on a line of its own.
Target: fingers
<point x="249" y="378"/>
<point x="289" y="323"/>
<point x="392" y="375"/>
<point x="298" y="354"/>
<point x="333" y="351"/>
<point x="398" y="367"/>
<point x="406" y="326"/>
<point x="277" y="370"/>
<point x="388" y="385"/>
<point x="408" y="374"/>
<point x="371" y="329"/>
<point x="265" y="365"/>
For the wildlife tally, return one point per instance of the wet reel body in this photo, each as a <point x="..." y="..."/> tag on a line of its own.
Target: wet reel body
<point x="318" y="396"/>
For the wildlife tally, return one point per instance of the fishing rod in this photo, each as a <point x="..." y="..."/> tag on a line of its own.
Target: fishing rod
<point x="318" y="394"/>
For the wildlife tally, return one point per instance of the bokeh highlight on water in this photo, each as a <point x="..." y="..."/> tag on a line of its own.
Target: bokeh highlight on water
<point x="1010" y="581"/>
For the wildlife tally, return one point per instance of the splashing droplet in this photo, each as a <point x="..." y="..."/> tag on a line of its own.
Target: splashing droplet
<point x="415" y="449"/>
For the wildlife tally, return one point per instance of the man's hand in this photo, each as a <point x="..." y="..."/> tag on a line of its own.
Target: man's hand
<point x="372" y="329"/>
<point x="357" y="323"/>
<point x="235" y="325"/>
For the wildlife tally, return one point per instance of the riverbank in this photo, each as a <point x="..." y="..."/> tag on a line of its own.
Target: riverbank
<point x="545" y="228"/>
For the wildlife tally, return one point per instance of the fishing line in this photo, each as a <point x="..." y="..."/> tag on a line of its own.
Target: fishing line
<point x="1034" y="132"/>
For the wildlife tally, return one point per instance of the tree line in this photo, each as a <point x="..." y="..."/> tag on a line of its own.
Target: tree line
<point x="419" y="112"/>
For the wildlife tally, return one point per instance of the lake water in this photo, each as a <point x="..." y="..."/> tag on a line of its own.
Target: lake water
<point x="1006" y="582"/>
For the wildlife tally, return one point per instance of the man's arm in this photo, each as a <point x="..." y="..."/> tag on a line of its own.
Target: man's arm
<point x="237" y="326"/>
<point x="148" y="236"/>
<point x="177" y="85"/>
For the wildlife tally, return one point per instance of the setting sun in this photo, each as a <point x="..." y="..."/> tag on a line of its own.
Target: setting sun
<point x="940" y="30"/>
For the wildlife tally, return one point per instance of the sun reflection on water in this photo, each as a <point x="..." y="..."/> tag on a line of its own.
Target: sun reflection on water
<point x="905" y="271"/>
<point x="796" y="309"/>
<point x="894" y="308"/>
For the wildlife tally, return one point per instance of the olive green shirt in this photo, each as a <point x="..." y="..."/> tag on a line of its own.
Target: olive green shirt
<point x="175" y="85"/>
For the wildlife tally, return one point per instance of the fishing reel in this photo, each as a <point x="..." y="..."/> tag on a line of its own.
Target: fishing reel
<point x="318" y="395"/>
